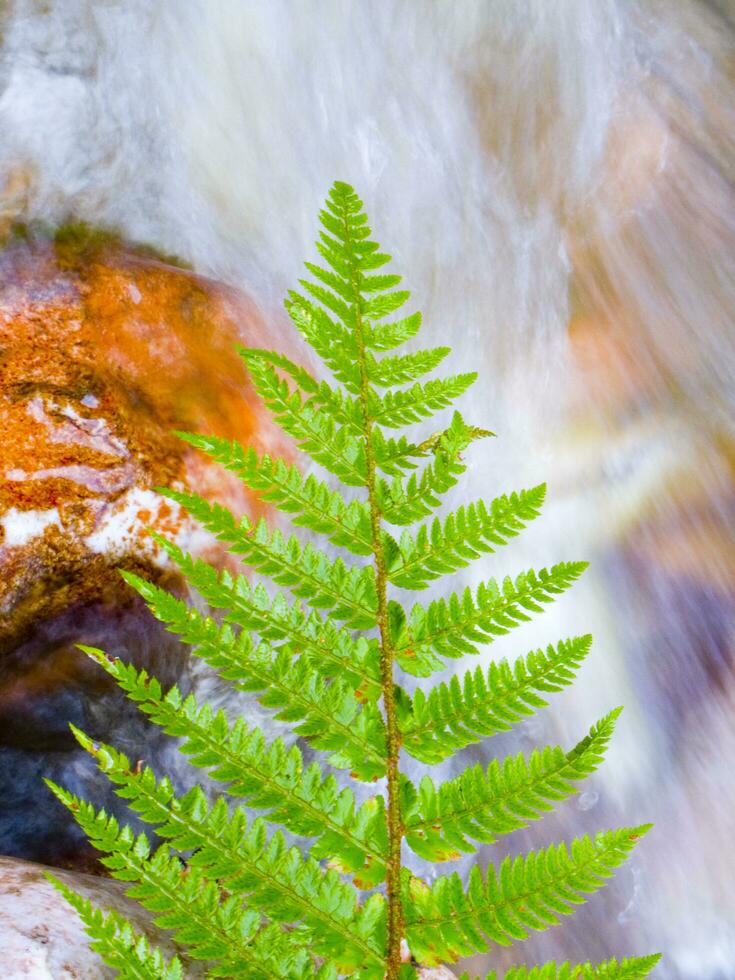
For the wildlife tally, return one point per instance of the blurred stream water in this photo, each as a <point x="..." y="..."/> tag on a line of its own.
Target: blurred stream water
<point x="556" y="183"/>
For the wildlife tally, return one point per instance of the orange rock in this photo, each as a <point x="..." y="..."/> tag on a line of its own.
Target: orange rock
<point x="104" y="352"/>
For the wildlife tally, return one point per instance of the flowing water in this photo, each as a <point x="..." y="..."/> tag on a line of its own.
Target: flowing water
<point x="556" y="182"/>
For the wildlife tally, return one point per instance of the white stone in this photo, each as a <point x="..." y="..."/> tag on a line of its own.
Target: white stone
<point x="41" y="936"/>
<point x="22" y="526"/>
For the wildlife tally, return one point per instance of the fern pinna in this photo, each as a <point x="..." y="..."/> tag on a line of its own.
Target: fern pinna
<point x="323" y="653"/>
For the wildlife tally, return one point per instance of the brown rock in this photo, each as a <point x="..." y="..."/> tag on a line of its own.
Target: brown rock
<point x="104" y="351"/>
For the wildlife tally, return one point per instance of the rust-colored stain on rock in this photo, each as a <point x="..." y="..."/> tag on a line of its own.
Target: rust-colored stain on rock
<point x="104" y="352"/>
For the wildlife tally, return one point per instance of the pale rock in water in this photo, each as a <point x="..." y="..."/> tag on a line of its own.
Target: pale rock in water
<point x="41" y="940"/>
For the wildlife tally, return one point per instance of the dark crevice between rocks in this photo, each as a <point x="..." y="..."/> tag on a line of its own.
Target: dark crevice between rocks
<point x="46" y="682"/>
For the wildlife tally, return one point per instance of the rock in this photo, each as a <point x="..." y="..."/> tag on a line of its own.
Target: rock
<point x="104" y="351"/>
<point x="42" y="937"/>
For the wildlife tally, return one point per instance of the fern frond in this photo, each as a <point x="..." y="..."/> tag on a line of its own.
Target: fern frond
<point x="453" y="627"/>
<point x="314" y="504"/>
<point x="252" y="608"/>
<point x="634" y="968"/>
<point x="118" y="943"/>
<point x="399" y="408"/>
<point x="318" y="434"/>
<point x="483" y="804"/>
<point x="406" y="502"/>
<point x="347" y="591"/>
<point x="388" y="336"/>
<point x="458" y="539"/>
<point x="183" y="899"/>
<point x="274" y="878"/>
<point x="446" y="922"/>
<point x="235" y="654"/>
<point x="228" y="883"/>
<point x="268" y="775"/>
<point x="398" y="369"/>
<point x="463" y="712"/>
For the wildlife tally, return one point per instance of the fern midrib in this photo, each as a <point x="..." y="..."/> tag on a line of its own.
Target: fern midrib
<point x="285" y="791"/>
<point x="239" y="858"/>
<point x="395" y="830"/>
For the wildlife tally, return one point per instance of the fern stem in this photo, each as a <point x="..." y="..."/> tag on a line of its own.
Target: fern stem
<point x="393" y="744"/>
<point x="387" y="656"/>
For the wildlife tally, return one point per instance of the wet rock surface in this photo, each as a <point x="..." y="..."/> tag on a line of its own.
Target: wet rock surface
<point x="104" y="352"/>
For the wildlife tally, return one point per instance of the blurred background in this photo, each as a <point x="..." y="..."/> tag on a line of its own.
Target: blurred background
<point x="556" y="183"/>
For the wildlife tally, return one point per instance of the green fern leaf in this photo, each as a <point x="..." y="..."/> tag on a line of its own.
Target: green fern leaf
<point x="348" y="591"/>
<point x="461" y="537"/>
<point x="446" y="922"/>
<point x="635" y="968"/>
<point x="337" y="281"/>
<point x="462" y="712"/>
<point x="453" y="627"/>
<point x="269" y="776"/>
<point x="315" y="505"/>
<point x="407" y="502"/>
<point x="398" y="369"/>
<point x="399" y="408"/>
<point x="388" y="336"/>
<point x="183" y="899"/>
<point x="394" y="456"/>
<point x="483" y="804"/>
<point x="119" y="944"/>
